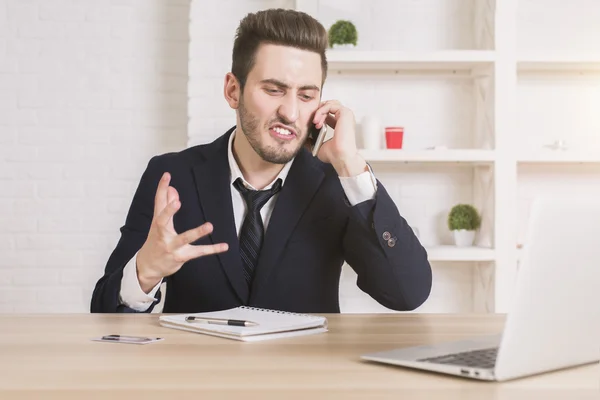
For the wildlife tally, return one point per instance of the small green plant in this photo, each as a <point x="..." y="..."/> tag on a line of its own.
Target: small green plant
<point x="464" y="216"/>
<point x="342" y="32"/>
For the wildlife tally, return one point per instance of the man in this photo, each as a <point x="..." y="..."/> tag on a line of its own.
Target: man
<point x="253" y="218"/>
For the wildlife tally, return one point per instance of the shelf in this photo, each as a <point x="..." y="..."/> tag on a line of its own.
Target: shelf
<point x="554" y="63"/>
<point x="429" y="156"/>
<point x="453" y="253"/>
<point x="395" y="60"/>
<point x="559" y="157"/>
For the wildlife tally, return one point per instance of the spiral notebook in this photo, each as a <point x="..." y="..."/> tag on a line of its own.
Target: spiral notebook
<point x="271" y="324"/>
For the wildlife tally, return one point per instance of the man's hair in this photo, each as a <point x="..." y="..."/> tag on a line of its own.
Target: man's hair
<point x="280" y="27"/>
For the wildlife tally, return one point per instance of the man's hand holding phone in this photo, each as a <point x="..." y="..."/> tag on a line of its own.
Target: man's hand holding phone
<point x="341" y="150"/>
<point x="165" y="251"/>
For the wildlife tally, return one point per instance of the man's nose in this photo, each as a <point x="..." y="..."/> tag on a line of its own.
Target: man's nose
<point x="289" y="109"/>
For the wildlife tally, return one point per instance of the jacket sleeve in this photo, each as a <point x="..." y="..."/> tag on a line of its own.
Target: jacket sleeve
<point x="105" y="297"/>
<point x="390" y="262"/>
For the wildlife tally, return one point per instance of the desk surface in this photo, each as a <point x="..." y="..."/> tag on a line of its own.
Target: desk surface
<point x="53" y="356"/>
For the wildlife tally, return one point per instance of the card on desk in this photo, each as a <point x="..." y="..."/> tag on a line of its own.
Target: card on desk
<point x="127" y="339"/>
<point x="247" y="323"/>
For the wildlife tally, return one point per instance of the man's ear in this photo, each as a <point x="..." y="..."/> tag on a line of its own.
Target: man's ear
<point x="232" y="90"/>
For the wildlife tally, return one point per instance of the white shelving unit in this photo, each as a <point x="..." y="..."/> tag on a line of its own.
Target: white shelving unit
<point x="453" y="253"/>
<point x="457" y="60"/>
<point x="430" y="156"/>
<point x="554" y="62"/>
<point x="559" y="157"/>
<point x="496" y="153"/>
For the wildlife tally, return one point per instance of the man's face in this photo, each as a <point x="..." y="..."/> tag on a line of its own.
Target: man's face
<point x="280" y="98"/>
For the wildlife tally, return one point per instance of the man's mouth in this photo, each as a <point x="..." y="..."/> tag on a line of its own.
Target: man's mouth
<point x="281" y="132"/>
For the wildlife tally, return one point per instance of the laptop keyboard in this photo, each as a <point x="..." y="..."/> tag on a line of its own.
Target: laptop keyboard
<point x="485" y="358"/>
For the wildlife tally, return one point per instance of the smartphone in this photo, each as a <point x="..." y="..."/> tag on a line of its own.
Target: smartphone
<point x="316" y="138"/>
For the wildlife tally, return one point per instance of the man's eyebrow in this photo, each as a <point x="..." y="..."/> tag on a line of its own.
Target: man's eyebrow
<point x="284" y="85"/>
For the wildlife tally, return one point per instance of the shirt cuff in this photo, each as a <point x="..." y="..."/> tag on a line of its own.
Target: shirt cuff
<point x="359" y="188"/>
<point x="131" y="293"/>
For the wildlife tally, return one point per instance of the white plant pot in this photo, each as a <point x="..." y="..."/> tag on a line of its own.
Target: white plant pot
<point x="345" y="46"/>
<point x="463" y="237"/>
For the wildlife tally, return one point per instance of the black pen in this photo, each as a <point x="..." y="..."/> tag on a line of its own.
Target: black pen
<point x="218" y="321"/>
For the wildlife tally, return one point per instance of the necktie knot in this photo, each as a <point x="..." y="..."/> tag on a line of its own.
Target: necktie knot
<point x="256" y="199"/>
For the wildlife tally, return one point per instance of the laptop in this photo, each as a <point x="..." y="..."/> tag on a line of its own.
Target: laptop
<point x="554" y="318"/>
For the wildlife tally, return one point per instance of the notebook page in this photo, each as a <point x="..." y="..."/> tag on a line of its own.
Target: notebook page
<point x="251" y="338"/>
<point x="269" y="321"/>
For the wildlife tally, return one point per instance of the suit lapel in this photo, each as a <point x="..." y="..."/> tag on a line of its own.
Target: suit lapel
<point x="300" y="186"/>
<point x="212" y="182"/>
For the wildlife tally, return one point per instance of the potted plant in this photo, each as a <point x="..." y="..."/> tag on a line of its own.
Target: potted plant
<point x="342" y="34"/>
<point x="463" y="221"/>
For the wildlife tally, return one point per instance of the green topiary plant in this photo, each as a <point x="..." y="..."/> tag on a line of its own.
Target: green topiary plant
<point x="342" y="32"/>
<point x="464" y="216"/>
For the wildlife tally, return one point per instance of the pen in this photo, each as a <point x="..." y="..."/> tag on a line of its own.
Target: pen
<point x="218" y="321"/>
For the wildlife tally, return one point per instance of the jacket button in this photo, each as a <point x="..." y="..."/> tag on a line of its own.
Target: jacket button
<point x="386" y="235"/>
<point x="392" y="242"/>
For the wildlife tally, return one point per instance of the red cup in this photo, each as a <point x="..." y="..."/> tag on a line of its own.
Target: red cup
<point x="394" y="136"/>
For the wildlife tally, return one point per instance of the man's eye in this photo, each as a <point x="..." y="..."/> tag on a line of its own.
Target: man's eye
<point x="306" y="97"/>
<point x="273" y="90"/>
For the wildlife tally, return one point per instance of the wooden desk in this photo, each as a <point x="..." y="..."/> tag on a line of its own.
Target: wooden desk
<point x="52" y="357"/>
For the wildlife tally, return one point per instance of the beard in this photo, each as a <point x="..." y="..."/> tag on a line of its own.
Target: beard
<point x="275" y="153"/>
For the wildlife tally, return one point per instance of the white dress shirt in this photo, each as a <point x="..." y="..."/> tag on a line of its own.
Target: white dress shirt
<point x="357" y="188"/>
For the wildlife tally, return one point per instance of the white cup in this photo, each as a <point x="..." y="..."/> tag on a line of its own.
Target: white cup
<point x="372" y="135"/>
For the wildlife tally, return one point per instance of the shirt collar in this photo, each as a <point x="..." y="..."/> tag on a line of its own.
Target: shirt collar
<point x="237" y="173"/>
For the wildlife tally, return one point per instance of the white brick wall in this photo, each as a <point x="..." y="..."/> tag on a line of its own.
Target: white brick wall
<point x="89" y="90"/>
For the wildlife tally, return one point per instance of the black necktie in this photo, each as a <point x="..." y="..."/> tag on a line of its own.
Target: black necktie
<point x="252" y="232"/>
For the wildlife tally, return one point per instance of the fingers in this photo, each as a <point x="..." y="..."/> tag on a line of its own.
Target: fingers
<point x="327" y="107"/>
<point x="322" y="115"/>
<point x="164" y="217"/>
<point x="190" y="252"/>
<point x="182" y="250"/>
<point x="172" y="194"/>
<point x="191" y="235"/>
<point x="320" y="122"/>
<point x="160" y="199"/>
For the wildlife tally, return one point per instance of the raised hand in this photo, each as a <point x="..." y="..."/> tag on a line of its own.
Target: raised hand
<point x="165" y="251"/>
<point x="341" y="151"/>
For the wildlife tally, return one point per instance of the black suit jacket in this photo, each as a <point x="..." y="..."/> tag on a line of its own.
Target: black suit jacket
<point x="312" y="230"/>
